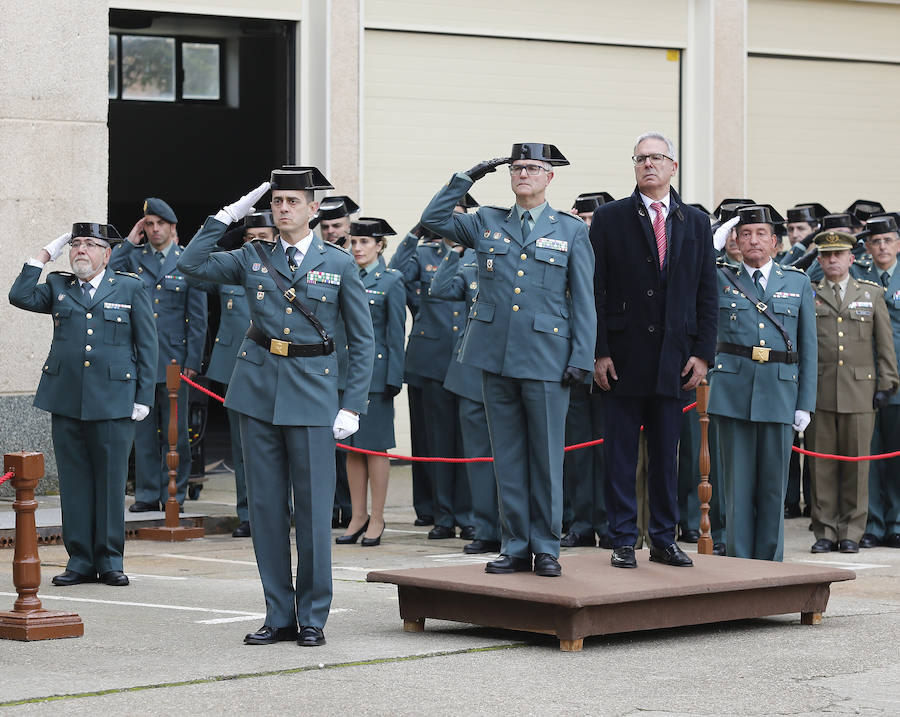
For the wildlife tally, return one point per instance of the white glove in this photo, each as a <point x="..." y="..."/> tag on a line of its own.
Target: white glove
<point x="139" y="412"/>
<point x="721" y="235"/>
<point x="345" y="424"/>
<point x="55" y="248"/>
<point x="801" y="421"/>
<point x="241" y="208"/>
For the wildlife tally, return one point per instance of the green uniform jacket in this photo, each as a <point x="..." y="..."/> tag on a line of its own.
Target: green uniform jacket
<point x="300" y="390"/>
<point x="848" y="377"/>
<point x="765" y="392"/>
<point x="103" y="357"/>
<point x="386" y="296"/>
<point x="522" y="325"/>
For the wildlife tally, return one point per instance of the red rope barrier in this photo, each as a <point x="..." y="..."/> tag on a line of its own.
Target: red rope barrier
<point x="488" y="459"/>
<point x="6" y="476"/>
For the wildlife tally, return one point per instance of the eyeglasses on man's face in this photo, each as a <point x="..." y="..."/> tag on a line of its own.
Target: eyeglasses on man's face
<point x="656" y="158"/>
<point x="533" y="170"/>
<point x="86" y="244"/>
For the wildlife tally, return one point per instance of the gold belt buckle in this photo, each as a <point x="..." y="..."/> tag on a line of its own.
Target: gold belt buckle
<point x="279" y="347"/>
<point x="760" y="353"/>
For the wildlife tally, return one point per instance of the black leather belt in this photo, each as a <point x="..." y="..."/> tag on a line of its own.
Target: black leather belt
<point x="286" y="348"/>
<point x="763" y="354"/>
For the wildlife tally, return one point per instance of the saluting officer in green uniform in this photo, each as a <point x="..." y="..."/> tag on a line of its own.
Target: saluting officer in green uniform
<point x="98" y="380"/>
<point x="234" y="318"/>
<point x="763" y="383"/>
<point x="532" y="331"/>
<point x="285" y="386"/>
<point x="180" y="313"/>
<point x="851" y="320"/>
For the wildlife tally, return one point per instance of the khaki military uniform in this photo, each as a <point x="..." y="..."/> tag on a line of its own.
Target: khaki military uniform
<point x="849" y="375"/>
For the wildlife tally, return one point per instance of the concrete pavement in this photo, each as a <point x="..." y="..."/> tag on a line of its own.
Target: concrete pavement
<point x="172" y="641"/>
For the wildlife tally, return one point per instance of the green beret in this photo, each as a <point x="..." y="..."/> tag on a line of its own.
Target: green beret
<point x="154" y="205"/>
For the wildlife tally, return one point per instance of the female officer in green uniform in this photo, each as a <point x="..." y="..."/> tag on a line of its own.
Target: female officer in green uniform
<point x="386" y="294"/>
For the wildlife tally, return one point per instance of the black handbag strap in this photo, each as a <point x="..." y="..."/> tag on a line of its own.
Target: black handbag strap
<point x="760" y="307"/>
<point x="289" y="293"/>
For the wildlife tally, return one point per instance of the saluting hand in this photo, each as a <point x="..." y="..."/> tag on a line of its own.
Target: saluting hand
<point x="486" y="167"/>
<point x="697" y="368"/>
<point x="604" y="370"/>
<point x="135" y="235"/>
<point x="55" y="248"/>
<point x="241" y="208"/>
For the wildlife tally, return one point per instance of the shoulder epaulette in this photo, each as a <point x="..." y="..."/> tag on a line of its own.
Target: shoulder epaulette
<point x="329" y="245"/>
<point x="431" y="243"/>
<point x="788" y="267"/>
<point x="570" y="216"/>
<point x="129" y="273"/>
<point x="66" y="274"/>
<point x="392" y="271"/>
<point x="723" y="263"/>
<point x="491" y="206"/>
<point x="870" y="283"/>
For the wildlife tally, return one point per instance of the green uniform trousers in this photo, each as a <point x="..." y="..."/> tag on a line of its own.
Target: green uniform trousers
<point x="482" y="484"/>
<point x="884" y="475"/>
<point x="151" y="443"/>
<point x="583" y="469"/>
<point x="92" y="461"/>
<point x="754" y="460"/>
<point x="840" y="489"/>
<point x="527" y="422"/>
<point x="277" y="461"/>
<point x="237" y="460"/>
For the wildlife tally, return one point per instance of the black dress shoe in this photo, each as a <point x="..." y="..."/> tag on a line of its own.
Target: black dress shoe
<point x="848" y="546"/>
<point x="116" y="578"/>
<point x="546" y="566"/>
<point x="140" y="506"/>
<point x="577" y="540"/>
<point x="719" y="549"/>
<point x="477" y="547"/>
<point x="670" y="555"/>
<point x="268" y="635"/>
<point x="441" y="532"/>
<point x="508" y="564"/>
<point x="70" y="577"/>
<point x="369" y="543"/>
<point x="604" y="541"/>
<point x="353" y="537"/>
<point x="467" y="532"/>
<point x="242" y="531"/>
<point x="807" y="512"/>
<point x="823" y="545"/>
<point x="792" y="510"/>
<point x="424" y="520"/>
<point x="892" y="540"/>
<point x="335" y="521"/>
<point x="869" y="541"/>
<point x="623" y="557"/>
<point x="311" y="636"/>
<point x="690" y="536"/>
<point x="345" y="519"/>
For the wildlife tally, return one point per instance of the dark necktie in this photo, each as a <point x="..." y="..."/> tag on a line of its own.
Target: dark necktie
<point x="86" y="291"/>
<point x="885" y="279"/>
<point x="362" y="272"/>
<point x="837" y="293"/>
<point x="757" y="279"/>
<point x="526" y="228"/>
<point x="160" y="256"/>
<point x="291" y="252"/>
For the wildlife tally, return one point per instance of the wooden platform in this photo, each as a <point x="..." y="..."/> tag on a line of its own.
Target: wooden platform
<point x="594" y="598"/>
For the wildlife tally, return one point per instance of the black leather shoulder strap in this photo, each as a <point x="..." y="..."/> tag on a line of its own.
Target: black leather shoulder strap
<point x="760" y="307"/>
<point x="289" y="292"/>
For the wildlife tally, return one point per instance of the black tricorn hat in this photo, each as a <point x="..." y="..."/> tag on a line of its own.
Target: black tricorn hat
<point x="729" y="211"/>
<point x="257" y="220"/>
<point x="105" y="232"/>
<point x="589" y="201"/>
<point x="803" y="213"/>
<point x="865" y="208"/>
<point x="731" y="203"/>
<point x="818" y="210"/>
<point x="697" y="205"/>
<point x="337" y="207"/>
<point x="759" y="214"/>
<point x="299" y="178"/>
<point x="370" y="227"/>
<point x="881" y="224"/>
<point x="536" y="150"/>
<point x="838" y="221"/>
<point x="468" y="202"/>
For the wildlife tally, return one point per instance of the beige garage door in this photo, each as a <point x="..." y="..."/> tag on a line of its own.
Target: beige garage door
<point x="434" y="104"/>
<point x="822" y="131"/>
